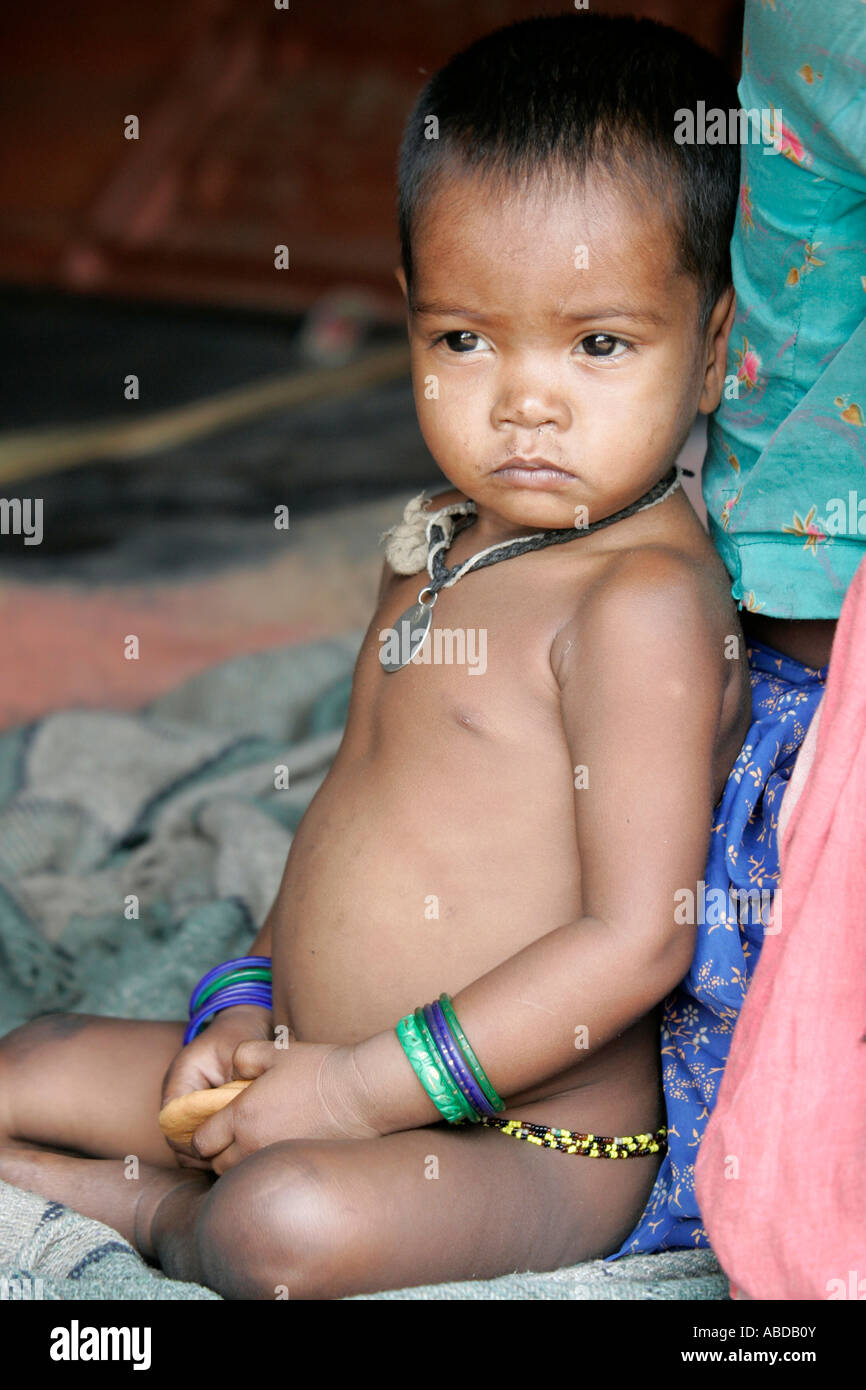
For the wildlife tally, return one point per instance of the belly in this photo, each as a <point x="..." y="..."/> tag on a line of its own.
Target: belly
<point x="417" y="873"/>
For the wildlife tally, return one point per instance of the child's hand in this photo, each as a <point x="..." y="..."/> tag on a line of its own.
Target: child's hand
<point x="307" y="1091"/>
<point x="207" y="1061"/>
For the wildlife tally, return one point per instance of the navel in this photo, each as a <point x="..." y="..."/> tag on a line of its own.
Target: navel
<point x="469" y="719"/>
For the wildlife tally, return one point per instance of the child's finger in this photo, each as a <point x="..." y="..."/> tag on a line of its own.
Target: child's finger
<point x="185" y="1160"/>
<point x="182" y="1080"/>
<point x="252" y="1057"/>
<point x="222" y="1162"/>
<point x="214" y="1135"/>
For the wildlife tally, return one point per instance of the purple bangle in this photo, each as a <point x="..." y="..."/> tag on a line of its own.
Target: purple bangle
<point x="235" y="993"/>
<point x="225" y="999"/>
<point x="453" y="1059"/>
<point x="223" y="969"/>
<point x="194" y="1027"/>
<point x="477" y="1096"/>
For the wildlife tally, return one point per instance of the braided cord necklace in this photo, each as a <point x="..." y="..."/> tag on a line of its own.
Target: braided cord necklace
<point x="413" y="626"/>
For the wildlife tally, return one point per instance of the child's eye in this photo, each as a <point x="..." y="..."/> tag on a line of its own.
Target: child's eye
<point x="603" y="345"/>
<point x="460" y="340"/>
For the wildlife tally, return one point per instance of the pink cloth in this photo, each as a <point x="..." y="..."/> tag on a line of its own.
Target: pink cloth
<point x="781" y="1174"/>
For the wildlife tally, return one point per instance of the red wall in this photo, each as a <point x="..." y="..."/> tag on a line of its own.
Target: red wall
<point x="257" y="127"/>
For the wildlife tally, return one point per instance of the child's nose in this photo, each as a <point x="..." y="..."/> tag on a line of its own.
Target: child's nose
<point x="532" y="410"/>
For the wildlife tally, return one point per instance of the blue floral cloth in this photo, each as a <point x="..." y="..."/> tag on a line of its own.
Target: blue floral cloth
<point x="732" y="913"/>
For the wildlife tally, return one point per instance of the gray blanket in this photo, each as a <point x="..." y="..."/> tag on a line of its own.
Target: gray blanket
<point x="136" y="850"/>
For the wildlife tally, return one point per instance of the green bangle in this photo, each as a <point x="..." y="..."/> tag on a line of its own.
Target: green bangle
<point x="427" y="1070"/>
<point x="233" y="977"/>
<point x="472" y="1061"/>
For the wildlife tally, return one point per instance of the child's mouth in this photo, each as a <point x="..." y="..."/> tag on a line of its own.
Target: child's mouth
<point x="532" y="473"/>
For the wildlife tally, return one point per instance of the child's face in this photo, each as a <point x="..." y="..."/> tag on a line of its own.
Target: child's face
<point x="524" y="344"/>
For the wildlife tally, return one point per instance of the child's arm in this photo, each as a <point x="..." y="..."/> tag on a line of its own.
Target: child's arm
<point x="208" y="1060"/>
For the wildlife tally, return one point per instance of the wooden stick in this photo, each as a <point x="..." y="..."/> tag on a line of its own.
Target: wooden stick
<point x="27" y="453"/>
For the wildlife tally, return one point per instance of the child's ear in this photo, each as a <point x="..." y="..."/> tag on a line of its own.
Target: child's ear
<point x="716" y="348"/>
<point x="401" y="280"/>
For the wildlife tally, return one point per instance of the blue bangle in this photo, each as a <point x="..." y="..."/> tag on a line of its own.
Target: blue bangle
<point x="195" y="1026"/>
<point x="233" y="992"/>
<point x="257" y="994"/>
<point x="455" y="1064"/>
<point x="223" y="969"/>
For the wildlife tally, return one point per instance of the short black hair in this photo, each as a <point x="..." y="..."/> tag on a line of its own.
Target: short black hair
<point x="569" y="92"/>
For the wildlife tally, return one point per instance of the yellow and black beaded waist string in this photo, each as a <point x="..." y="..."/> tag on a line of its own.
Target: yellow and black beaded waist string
<point x="454" y="1079"/>
<point x="570" y="1141"/>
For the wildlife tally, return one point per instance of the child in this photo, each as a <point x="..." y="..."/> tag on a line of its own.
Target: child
<point x="522" y="839"/>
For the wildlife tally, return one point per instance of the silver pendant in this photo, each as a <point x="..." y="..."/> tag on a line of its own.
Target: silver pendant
<point x="408" y="635"/>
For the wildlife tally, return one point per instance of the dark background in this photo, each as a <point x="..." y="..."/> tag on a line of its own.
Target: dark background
<point x="258" y="127"/>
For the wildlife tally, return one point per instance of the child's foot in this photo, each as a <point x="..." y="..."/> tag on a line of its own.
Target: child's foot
<point x="99" y="1187"/>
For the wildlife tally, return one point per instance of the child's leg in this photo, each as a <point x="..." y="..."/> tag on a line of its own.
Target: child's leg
<point x="326" y="1219"/>
<point x="78" y="1081"/>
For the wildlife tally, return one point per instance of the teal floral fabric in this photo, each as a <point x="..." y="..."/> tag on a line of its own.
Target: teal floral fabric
<point x="734" y="906"/>
<point x="784" y="479"/>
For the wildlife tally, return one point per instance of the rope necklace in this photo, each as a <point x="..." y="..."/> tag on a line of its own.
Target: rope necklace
<point x="412" y="627"/>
